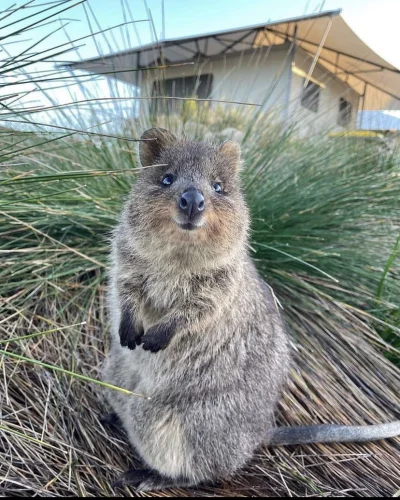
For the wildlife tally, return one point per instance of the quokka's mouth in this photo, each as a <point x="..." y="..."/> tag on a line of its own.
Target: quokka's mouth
<point x="189" y="226"/>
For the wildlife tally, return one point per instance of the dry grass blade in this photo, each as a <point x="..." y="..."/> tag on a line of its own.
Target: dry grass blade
<point x="116" y="99"/>
<point x="77" y="77"/>
<point x="25" y="437"/>
<point x="75" y="131"/>
<point x="73" y="250"/>
<point x="71" y="374"/>
<point x="40" y="334"/>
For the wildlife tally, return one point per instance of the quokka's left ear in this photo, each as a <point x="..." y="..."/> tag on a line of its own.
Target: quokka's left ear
<point x="154" y="141"/>
<point x="231" y="151"/>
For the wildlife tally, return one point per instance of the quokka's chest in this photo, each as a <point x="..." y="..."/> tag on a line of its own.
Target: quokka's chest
<point x="161" y="293"/>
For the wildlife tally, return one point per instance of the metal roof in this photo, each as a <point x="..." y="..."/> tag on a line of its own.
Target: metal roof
<point x="325" y="36"/>
<point x="377" y="120"/>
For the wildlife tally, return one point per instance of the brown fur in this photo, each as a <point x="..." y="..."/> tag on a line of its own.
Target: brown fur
<point x="219" y="351"/>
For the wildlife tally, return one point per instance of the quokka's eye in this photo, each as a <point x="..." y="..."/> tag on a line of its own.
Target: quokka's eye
<point x="167" y="180"/>
<point x="218" y="187"/>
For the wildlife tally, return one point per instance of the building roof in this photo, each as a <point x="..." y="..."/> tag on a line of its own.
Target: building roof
<point x="377" y="120"/>
<point x="325" y="36"/>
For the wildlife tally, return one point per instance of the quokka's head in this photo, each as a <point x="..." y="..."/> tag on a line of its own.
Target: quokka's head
<point x="187" y="198"/>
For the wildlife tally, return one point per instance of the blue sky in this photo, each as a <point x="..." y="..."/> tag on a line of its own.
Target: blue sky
<point x="375" y="21"/>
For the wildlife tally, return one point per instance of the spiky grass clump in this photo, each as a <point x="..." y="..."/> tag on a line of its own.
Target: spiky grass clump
<point x="326" y="222"/>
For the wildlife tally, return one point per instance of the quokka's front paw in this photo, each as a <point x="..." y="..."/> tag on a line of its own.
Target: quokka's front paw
<point x="129" y="335"/>
<point x="158" y="337"/>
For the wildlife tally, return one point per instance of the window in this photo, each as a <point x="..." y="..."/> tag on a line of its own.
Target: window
<point x="310" y="96"/>
<point x="345" y="109"/>
<point x="186" y="86"/>
<point x="198" y="86"/>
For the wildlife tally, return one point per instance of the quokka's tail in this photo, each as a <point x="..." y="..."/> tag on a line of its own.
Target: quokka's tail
<point x="286" y="436"/>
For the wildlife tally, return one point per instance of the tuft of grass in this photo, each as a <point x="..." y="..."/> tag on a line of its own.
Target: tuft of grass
<point x="325" y="235"/>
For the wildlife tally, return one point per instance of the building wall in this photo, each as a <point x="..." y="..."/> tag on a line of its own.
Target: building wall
<point x="259" y="77"/>
<point x="265" y="77"/>
<point x="328" y="113"/>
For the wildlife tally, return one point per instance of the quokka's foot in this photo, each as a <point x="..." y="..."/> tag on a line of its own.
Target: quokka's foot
<point x="147" y="481"/>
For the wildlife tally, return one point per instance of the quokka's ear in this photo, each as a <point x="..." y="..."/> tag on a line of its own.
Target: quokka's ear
<point x="153" y="142"/>
<point x="231" y="151"/>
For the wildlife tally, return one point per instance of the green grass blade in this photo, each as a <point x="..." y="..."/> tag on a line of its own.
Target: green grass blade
<point x="393" y="256"/>
<point x="71" y="374"/>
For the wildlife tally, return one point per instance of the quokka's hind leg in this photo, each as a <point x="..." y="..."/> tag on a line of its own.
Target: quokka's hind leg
<point x="111" y="420"/>
<point x="148" y="481"/>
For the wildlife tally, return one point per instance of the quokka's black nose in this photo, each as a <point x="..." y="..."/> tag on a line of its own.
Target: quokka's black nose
<point x="192" y="202"/>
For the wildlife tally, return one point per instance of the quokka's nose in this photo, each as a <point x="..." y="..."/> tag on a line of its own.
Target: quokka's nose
<point x="192" y="202"/>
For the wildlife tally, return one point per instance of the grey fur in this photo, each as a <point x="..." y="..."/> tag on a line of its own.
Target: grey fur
<point x="220" y="352"/>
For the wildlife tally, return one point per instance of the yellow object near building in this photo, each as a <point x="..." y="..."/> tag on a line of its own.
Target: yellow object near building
<point x="362" y="134"/>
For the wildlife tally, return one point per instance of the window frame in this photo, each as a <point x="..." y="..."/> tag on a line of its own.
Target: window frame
<point x="308" y="100"/>
<point x="345" y="114"/>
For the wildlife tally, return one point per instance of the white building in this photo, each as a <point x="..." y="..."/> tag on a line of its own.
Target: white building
<point x="314" y="69"/>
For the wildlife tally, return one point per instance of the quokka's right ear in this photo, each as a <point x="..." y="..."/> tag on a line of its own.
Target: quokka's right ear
<point x="231" y="151"/>
<point x="153" y="142"/>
